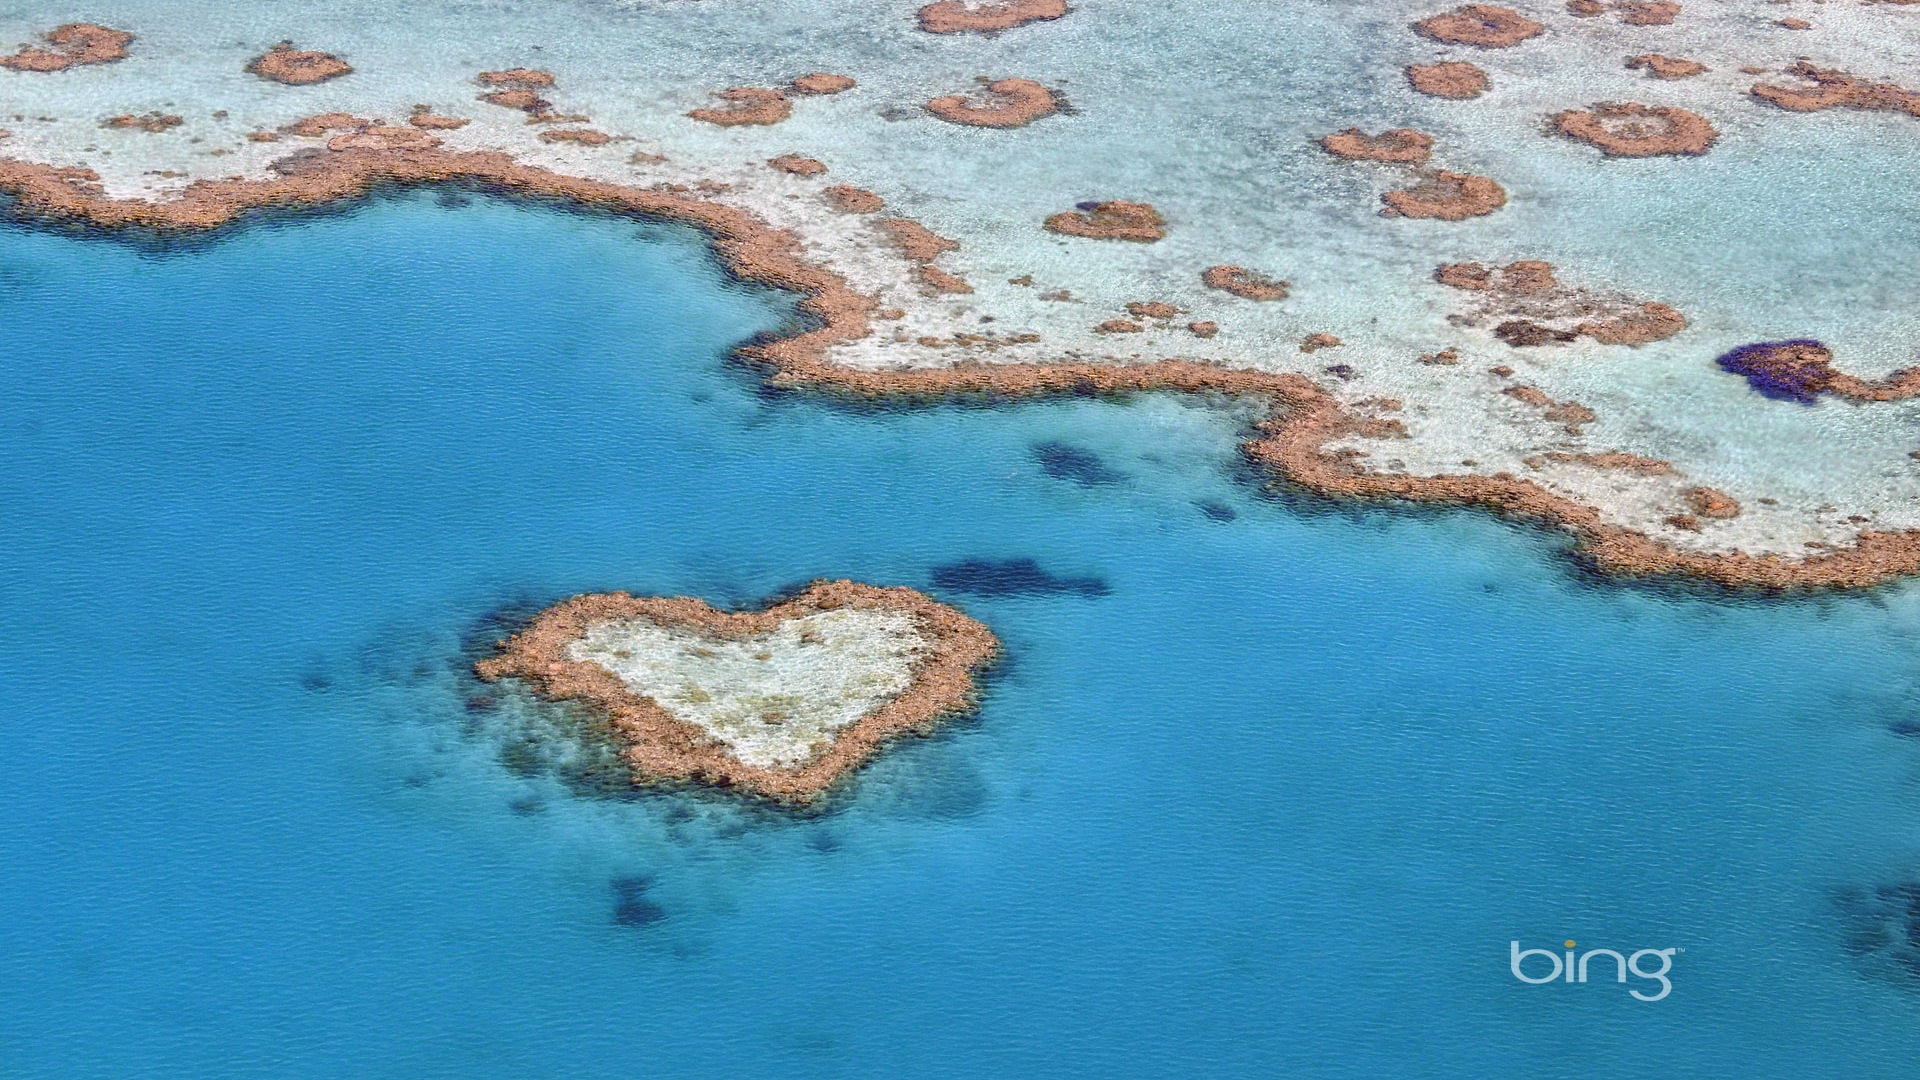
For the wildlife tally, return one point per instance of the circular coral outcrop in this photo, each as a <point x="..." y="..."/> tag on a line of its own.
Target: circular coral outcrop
<point x="747" y="105"/>
<point x="1487" y="26"/>
<point x="1244" y="283"/>
<point x="1011" y="103"/>
<point x="1665" y="67"/>
<point x="298" y="67"/>
<point x="959" y="17"/>
<point x="1400" y="146"/>
<point x="1623" y="129"/>
<point x="821" y="82"/>
<point x="73" y="45"/>
<point x="1455" y="79"/>
<point x="1446" y="196"/>
<point x="1117" y="219"/>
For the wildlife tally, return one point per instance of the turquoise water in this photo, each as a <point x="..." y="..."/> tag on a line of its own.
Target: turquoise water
<point x="1274" y="802"/>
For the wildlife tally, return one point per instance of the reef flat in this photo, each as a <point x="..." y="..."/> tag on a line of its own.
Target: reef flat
<point x="1022" y="239"/>
<point x="782" y="703"/>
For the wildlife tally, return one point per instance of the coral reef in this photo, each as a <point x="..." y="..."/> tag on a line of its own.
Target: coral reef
<point x="1244" y="283"/>
<point x="1010" y="103"/>
<point x="961" y="17"/>
<point x="1665" y="67"/>
<point x="425" y="118"/>
<point x="1112" y="220"/>
<point x="1454" y="79"/>
<point x="1802" y="369"/>
<point x="578" y="136"/>
<point x="73" y="45"/>
<point x="781" y="703"/>
<point x="821" y="82"/>
<point x="1295" y="441"/>
<point x="1400" y="146"/>
<point x="1838" y="90"/>
<point x="1530" y="307"/>
<point x="298" y="67"/>
<point x="1446" y="196"/>
<point x="153" y="121"/>
<point x="1487" y="26"/>
<point x="1624" y="129"/>
<point x="747" y="105"/>
<point x="797" y="165"/>
<point x="854" y="200"/>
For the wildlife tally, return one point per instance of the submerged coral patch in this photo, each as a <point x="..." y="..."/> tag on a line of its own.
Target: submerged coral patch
<point x="992" y="16"/>
<point x="1624" y="129"/>
<point x="1015" y="577"/>
<point x="72" y="45"/>
<point x="1063" y="461"/>
<point x="1487" y="26"/>
<point x="298" y="67"/>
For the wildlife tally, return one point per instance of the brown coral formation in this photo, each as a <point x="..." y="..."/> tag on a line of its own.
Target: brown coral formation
<point x="916" y="241"/>
<point x="1244" y="283"/>
<point x="298" y="67"/>
<point x="1010" y="103"/>
<point x="1618" y="460"/>
<point x="72" y="45"/>
<point x="1648" y="12"/>
<point x="1838" y="90"/>
<point x="821" y="82"/>
<point x="1454" y="79"/>
<point x="428" y="120"/>
<point x="797" y="165"/>
<point x="1709" y="502"/>
<point x="1115" y="219"/>
<point x="1400" y="146"/>
<point x="521" y="78"/>
<point x="1665" y="67"/>
<point x="1624" y="129"/>
<point x="577" y="136"/>
<point x="747" y="105"/>
<point x="315" y="126"/>
<point x="1572" y="414"/>
<point x="659" y="746"/>
<point x="381" y="137"/>
<point x="962" y="17"/>
<point x="153" y="121"/>
<point x="1487" y="26"/>
<point x="937" y="281"/>
<point x="1292" y="441"/>
<point x="1528" y="306"/>
<point x="1631" y="12"/>
<point x="1446" y="196"/>
<point x="854" y="200"/>
<point x="1316" y="342"/>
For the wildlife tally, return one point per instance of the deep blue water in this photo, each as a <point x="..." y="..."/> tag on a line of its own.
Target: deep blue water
<point x="1262" y="789"/>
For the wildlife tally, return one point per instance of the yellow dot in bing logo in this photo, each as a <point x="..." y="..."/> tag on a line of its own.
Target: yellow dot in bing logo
<point x="1570" y="944"/>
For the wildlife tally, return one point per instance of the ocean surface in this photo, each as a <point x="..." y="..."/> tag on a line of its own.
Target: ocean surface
<point x="1263" y="787"/>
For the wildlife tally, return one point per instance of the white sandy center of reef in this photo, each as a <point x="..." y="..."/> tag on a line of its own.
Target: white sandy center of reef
<point x="774" y="698"/>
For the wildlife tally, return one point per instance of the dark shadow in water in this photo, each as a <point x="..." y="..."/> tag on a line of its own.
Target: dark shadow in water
<point x="1216" y="511"/>
<point x="1012" y="577"/>
<point x="1905" y="727"/>
<point x="1881" y="929"/>
<point x="631" y="908"/>
<point x="1084" y="467"/>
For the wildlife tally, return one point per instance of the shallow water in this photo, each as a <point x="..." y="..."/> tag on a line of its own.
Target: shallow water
<point x="1262" y="788"/>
